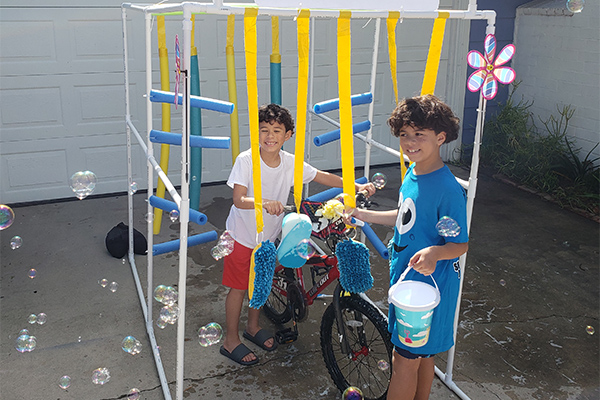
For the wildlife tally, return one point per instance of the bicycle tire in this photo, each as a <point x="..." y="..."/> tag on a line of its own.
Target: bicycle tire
<point x="276" y="307"/>
<point x="361" y="370"/>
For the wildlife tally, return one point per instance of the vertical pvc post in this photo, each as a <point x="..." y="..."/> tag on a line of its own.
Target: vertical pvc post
<point x="311" y="84"/>
<point x="372" y="104"/>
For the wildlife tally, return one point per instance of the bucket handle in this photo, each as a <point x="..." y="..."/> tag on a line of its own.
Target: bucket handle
<point x="406" y="272"/>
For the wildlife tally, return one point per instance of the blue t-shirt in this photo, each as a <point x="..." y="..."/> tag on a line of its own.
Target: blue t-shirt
<point x="424" y="199"/>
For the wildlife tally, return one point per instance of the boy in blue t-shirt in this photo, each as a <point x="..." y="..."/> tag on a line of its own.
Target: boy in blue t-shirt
<point x="428" y="193"/>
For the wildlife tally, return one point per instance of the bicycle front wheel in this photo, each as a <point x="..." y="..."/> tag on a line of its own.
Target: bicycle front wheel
<point x="369" y="364"/>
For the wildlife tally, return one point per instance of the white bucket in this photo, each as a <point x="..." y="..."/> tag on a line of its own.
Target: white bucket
<point x="414" y="304"/>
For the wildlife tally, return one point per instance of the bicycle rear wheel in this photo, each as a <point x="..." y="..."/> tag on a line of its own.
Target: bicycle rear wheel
<point x="370" y="343"/>
<point x="276" y="307"/>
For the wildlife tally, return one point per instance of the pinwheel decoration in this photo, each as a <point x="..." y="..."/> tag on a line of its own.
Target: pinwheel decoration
<point x="490" y="72"/>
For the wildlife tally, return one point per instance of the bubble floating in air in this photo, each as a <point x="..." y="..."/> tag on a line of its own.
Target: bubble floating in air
<point x="210" y="334"/>
<point x="41" y="318"/>
<point x="159" y="293"/>
<point x="169" y="314"/>
<point x="174" y="215"/>
<point x="575" y="6"/>
<point x="447" y="227"/>
<point x="224" y="246"/>
<point x="590" y="330"/>
<point x="83" y="183"/>
<point x="161" y="323"/>
<point x="100" y="376"/>
<point x="16" y="242"/>
<point x="24" y="332"/>
<point x="170" y="296"/>
<point x="113" y="286"/>
<point x="32" y="273"/>
<point x="32" y="319"/>
<point x="383" y="365"/>
<point x="7" y="216"/>
<point x="133" y="188"/>
<point x="305" y="249"/>
<point x="352" y="393"/>
<point x="134" y="394"/>
<point x="502" y="282"/>
<point x="64" y="382"/>
<point x="131" y="345"/>
<point x="103" y="282"/>
<point x="379" y="180"/>
<point x="149" y="217"/>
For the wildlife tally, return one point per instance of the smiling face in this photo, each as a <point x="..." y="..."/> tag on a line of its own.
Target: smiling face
<point x="272" y="136"/>
<point x="422" y="146"/>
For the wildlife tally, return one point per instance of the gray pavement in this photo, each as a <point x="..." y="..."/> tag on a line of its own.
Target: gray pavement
<point x="531" y="289"/>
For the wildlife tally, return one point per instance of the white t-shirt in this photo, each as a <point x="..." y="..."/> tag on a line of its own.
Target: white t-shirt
<point x="276" y="186"/>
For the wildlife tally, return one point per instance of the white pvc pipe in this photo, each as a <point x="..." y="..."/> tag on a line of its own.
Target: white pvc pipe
<point x="372" y="104"/>
<point x="311" y="84"/>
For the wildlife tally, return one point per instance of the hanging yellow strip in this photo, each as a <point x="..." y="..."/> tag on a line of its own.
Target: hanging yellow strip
<point x="231" y="87"/>
<point x="435" y="52"/>
<point x="250" y="51"/>
<point x="391" y="22"/>
<point x="346" y="136"/>
<point x="303" y="22"/>
<point x="275" y="55"/>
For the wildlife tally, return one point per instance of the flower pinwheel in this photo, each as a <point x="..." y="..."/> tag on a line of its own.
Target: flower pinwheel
<point x="489" y="72"/>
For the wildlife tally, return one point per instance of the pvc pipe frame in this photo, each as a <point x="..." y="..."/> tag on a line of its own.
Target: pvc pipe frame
<point x="182" y="201"/>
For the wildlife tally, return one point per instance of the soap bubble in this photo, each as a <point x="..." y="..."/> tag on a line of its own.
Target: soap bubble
<point x="32" y="318"/>
<point x="575" y="6"/>
<point x="305" y="249"/>
<point x="24" y="332"/>
<point x="173" y="215"/>
<point x="113" y="286"/>
<point x="22" y="342"/>
<point x="7" y="216"/>
<point x="131" y="345"/>
<point x="149" y="217"/>
<point x="103" y="282"/>
<point x="379" y="180"/>
<point x="170" y="296"/>
<point x="16" y="242"/>
<point x="100" y="376"/>
<point x="161" y="323"/>
<point x="41" y="318"/>
<point x="169" y="314"/>
<point x="159" y="293"/>
<point x="83" y="183"/>
<point x="590" y="330"/>
<point x="341" y="198"/>
<point x="133" y="188"/>
<point x="383" y="365"/>
<point x="502" y="282"/>
<point x="352" y="393"/>
<point x="64" y="382"/>
<point x="32" y="273"/>
<point x="210" y="334"/>
<point x="447" y="227"/>
<point x="134" y="394"/>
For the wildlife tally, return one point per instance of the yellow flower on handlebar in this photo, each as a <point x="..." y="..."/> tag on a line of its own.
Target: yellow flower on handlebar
<point x="333" y="209"/>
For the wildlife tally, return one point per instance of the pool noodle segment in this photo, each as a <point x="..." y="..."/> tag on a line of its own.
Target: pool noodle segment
<point x="331" y="193"/>
<point x="166" y="205"/>
<point x="275" y="59"/>
<point x="334" y="104"/>
<point x="160" y="96"/>
<point x="335" y="134"/>
<point x="194" y="240"/>
<point x="375" y="241"/>
<point x="195" y="126"/>
<point x="212" y="142"/>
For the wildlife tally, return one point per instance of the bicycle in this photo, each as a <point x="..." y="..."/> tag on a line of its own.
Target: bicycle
<point x="355" y="341"/>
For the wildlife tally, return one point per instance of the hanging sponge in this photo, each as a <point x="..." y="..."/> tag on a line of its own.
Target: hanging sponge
<point x="354" y="265"/>
<point x="265" y="258"/>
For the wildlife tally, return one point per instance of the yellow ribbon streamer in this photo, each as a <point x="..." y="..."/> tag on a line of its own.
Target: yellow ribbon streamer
<point x="275" y="55"/>
<point x="232" y="88"/>
<point x="345" y="91"/>
<point x="250" y="40"/>
<point x="303" y="22"/>
<point x="435" y="52"/>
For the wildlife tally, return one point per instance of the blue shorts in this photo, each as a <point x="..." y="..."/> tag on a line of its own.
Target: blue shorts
<point x="409" y="355"/>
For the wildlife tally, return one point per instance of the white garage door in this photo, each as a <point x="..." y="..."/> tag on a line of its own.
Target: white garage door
<point x="62" y="96"/>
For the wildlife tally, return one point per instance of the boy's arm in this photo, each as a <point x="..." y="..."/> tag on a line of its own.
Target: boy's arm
<point x="332" y="180"/>
<point x="376" y="217"/>
<point x="424" y="260"/>
<point x="244" y="202"/>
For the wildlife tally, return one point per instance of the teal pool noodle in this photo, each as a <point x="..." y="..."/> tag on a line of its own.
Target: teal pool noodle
<point x="195" y="130"/>
<point x="276" y="83"/>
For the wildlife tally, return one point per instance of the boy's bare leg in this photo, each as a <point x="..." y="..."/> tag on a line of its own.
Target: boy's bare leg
<point x="253" y="327"/>
<point x="233" y="310"/>
<point x="425" y="376"/>
<point x="403" y="385"/>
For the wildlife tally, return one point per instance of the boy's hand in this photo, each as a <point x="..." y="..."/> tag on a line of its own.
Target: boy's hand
<point x="273" y="207"/>
<point x="424" y="261"/>
<point x="369" y="188"/>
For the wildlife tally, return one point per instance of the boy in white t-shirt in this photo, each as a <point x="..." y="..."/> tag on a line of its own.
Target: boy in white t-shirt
<point x="277" y="175"/>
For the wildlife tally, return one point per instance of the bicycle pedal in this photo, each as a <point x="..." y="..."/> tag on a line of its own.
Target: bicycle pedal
<point x="286" y="336"/>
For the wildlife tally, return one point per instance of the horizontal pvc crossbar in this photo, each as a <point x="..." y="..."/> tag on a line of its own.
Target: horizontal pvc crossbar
<point x="168" y="206"/>
<point x="334" y="104"/>
<point x="331" y="193"/>
<point x="335" y="134"/>
<point x="211" y="142"/>
<point x="194" y="240"/>
<point x="160" y="96"/>
<point x="375" y="241"/>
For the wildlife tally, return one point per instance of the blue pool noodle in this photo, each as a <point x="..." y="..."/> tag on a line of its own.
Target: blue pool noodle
<point x="375" y="241"/>
<point x="334" y="104"/>
<point x="166" y="205"/>
<point x="213" y="142"/>
<point x="173" y="245"/>
<point x="335" y="134"/>
<point x="161" y="96"/>
<point x="331" y="193"/>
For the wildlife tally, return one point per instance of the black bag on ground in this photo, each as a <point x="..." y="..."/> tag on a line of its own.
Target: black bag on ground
<point x="117" y="241"/>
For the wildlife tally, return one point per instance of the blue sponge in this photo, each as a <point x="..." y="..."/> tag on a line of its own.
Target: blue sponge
<point x="354" y="265"/>
<point x="265" y="258"/>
